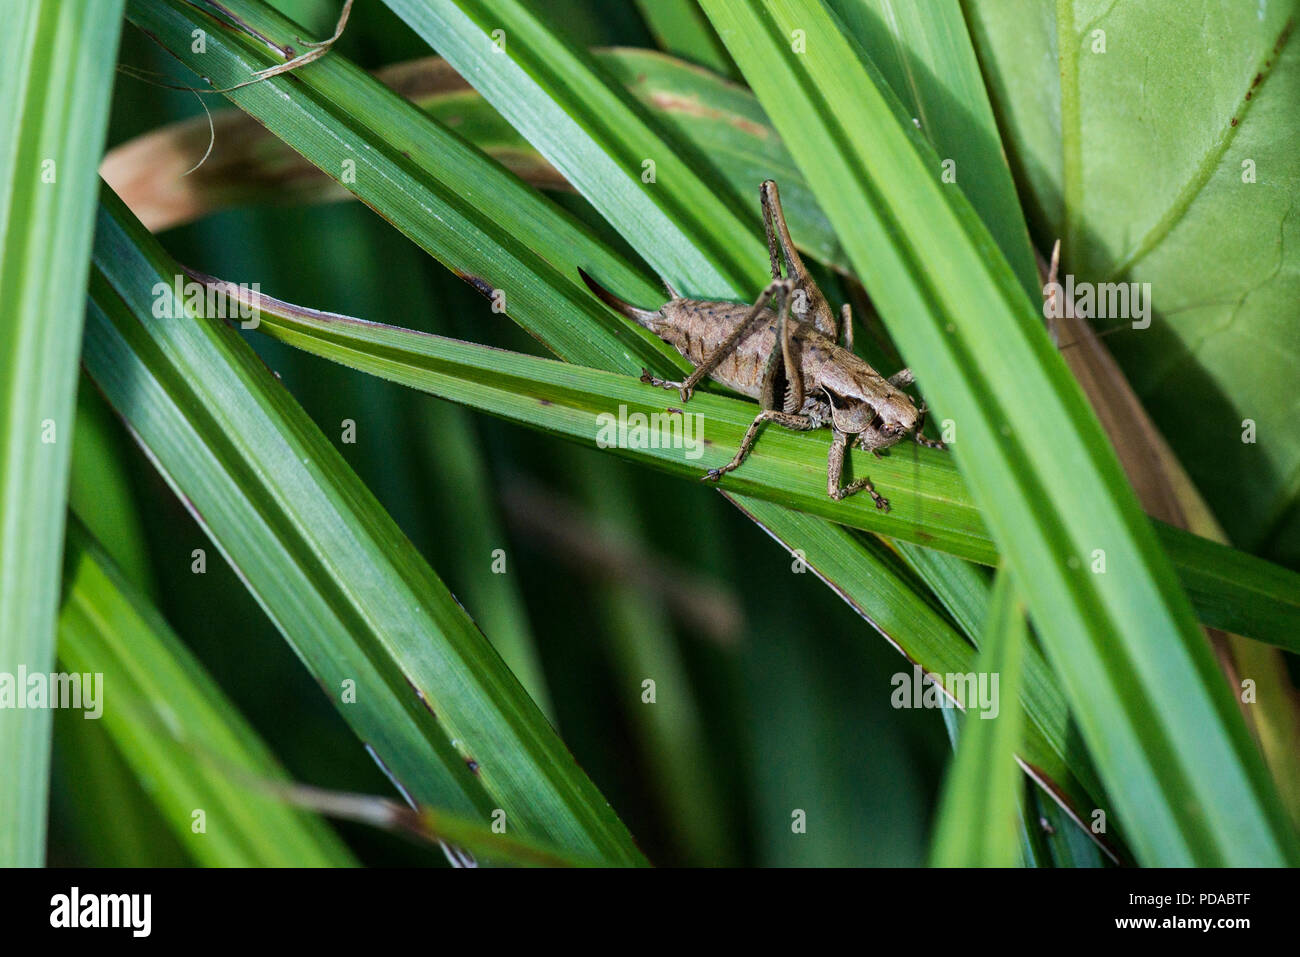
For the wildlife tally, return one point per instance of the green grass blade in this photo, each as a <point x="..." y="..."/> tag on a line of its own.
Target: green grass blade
<point x="1053" y="840"/>
<point x="451" y="200"/>
<point x="1139" y="677"/>
<point x="682" y="29"/>
<point x="348" y="590"/>
<point x="182" y="737"/>
<point x="426" y="824"/>
<point x="978" y="811"/>
<point x="468" y="515"/>
<point x="54" y="96"/>
<point x="90" y="783"/>
<point x="924" y="52"/>
<point x="930" y="504"/>
<point x="964" y="591"/>
<point x="672" y="736"/>
<point x="100" y="491"/>
<point x="249" y="165"/>
<point x="1016" y="40"/>
<point x="695" y="234"/>
<point x="961" y="588"/>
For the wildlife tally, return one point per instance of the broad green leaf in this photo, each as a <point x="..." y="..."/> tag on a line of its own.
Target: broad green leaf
<point x="1161" y="482"/>
<point x="388" y="643"/>
<point x="1193" y="193"/>
<point x="1179" y="170"/>
<point x="981" y="795"/>
<point x="181" y="736"/>
<point x="1139" y="678"/>
<point x="54" y="91"/>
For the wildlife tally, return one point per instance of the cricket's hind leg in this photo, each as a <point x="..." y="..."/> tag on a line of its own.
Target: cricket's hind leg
<point x="791" y="420"/>
<point x="815" y="309"/>
<point x="835" y="474"/>
<point x="687" y="387"/>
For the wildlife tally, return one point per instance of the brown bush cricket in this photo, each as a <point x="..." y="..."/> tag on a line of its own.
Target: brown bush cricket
<point x="792" y="351"/>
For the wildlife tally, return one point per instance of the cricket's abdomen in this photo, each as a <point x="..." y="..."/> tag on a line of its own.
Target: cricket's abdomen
<point x="696" y="328"/>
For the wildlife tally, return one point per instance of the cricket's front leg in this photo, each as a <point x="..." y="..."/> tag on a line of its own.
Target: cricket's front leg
<point x="687" y="387"/>
<point x="921" y="439"/>
<point x="901" y="380"/>
<point x="791" y="420"/>
<point x="835" y="474"/>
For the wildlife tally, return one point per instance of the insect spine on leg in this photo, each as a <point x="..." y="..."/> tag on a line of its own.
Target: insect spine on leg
<point x="791" y="360"/>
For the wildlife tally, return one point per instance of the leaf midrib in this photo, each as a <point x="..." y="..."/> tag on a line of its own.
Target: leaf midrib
<point x="1072" y="145"/>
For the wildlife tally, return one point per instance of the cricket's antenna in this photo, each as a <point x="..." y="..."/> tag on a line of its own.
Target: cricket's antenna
<point x="1096" y="334"/>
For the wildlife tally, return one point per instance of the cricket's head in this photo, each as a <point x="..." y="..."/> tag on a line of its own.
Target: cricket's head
<point x="898" y="416"/>
<point x="889" y="419"/>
